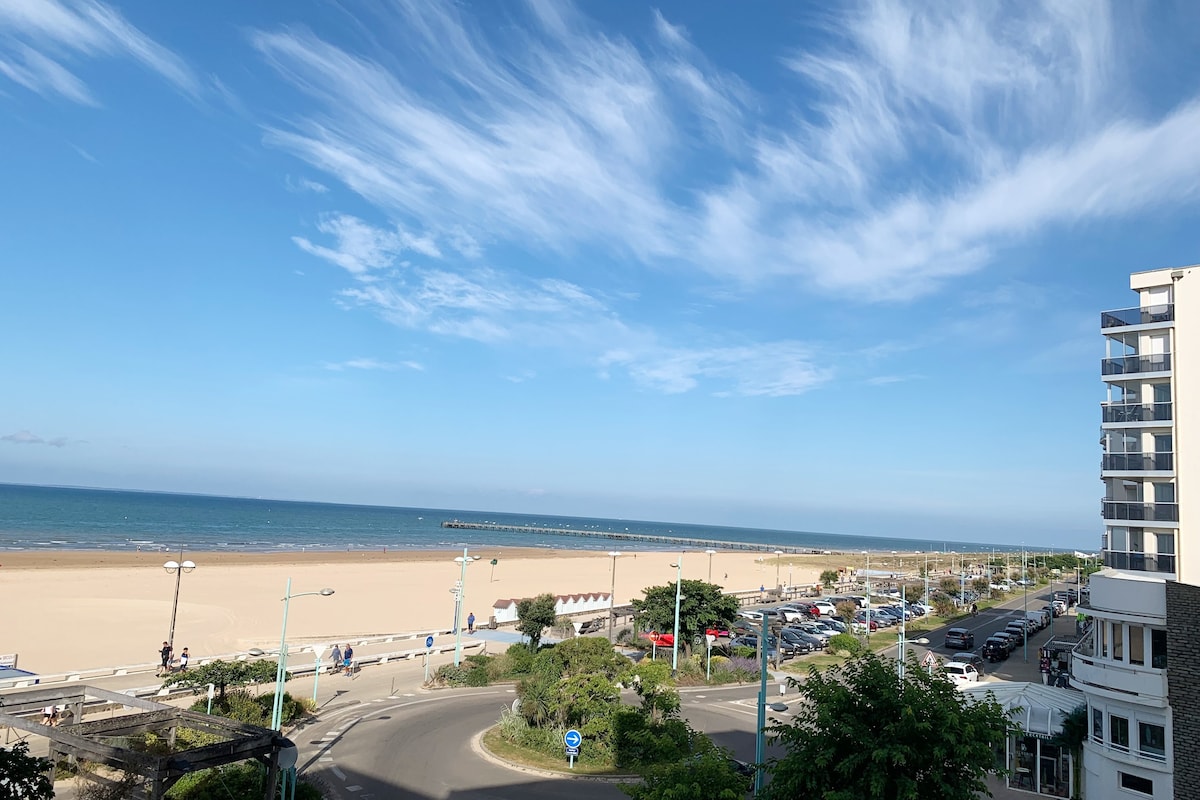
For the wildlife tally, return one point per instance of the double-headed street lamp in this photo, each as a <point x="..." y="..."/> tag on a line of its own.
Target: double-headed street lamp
<point x="459" y="596"/>
<point x="710" y="552"/>
<point x="281" y="666"/>
<point x="176" y="568"/>
<point x="612" y="595"/>
<point x="678" y="565"/>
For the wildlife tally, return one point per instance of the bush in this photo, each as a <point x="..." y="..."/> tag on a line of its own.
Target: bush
<point x="520" y="660"/>
<point x="744" y="651"/>
<point x="450" y="675"/>
<point x="240" y="705"/>
<point x="477" y="676"/>
<point x="246" y="779"/>
<point x="844" y="642"/>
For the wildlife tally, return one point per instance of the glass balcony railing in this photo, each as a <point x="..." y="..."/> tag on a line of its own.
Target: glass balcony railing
<point x="1133" y="365"/>
<point x="1137" y="316"/>
<point x="1153" y="512"/>
<point x="1142" y="562"/>
<point x="1132" y="412"/>
<point x="1138" y="462"/>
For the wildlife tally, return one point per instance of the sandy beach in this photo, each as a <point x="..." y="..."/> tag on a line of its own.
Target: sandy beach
<point x="69" y="610"/>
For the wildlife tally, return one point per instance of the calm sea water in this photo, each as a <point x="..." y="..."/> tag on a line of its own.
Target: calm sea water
<point x="52" y="518"/>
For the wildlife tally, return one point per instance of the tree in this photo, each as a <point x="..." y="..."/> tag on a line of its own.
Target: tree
<point x="1071" y="736"/>
<point x="949" y="586"/>
<point x="860" y="731"/>
<point x="534" y="615"/>
<point x="22" y="776"/>
<point x="829" y="578"/>
<point x="701" y="606"/>
<point x="981" y="585"/>
<point x="652" y="682"/>
<point x="710" y="774"/>
<point x="223" y="674"/>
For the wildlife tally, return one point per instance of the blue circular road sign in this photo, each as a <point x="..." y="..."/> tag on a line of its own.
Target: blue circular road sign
<point x="429" y="641"/>
<point x="572" y="738"/>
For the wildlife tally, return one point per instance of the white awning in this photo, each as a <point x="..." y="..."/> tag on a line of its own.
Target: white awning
<point x="1038" y="709"/>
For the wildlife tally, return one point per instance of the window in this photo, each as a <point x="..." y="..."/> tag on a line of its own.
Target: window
<point x="1118" y="642"/>
<point x="1166" y="543"/>
<point x="1152" y="740"/>
<point x="1164" y="493"/>
<point x="1119" y="538"/>
<point x="1118" y="732"/>
<point x="1137" y="644"/>
<point x="1158" y="648"/>
<point x="1098" y="725"/>
<point x="1136" y="783"/>
<point x="1102" y="643"/>
<point x="1162" y="392"/>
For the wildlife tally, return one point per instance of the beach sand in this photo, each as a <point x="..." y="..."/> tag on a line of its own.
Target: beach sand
<point x="67" y="610"/>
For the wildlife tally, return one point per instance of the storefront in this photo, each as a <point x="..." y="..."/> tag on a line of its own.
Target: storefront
<point x="1033" y="763"/>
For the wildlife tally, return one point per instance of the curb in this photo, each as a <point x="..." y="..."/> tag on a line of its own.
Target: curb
<point x="487" y="755"/>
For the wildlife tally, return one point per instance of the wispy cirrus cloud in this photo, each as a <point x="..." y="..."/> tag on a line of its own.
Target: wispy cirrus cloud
<point x="372" y="364"/>
<point x="39" y="39"/>
<point x="28" y="437"/>
<point x="925" y="138"/>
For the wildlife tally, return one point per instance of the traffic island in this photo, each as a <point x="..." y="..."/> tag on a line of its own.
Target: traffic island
<point x="492" y="745"/>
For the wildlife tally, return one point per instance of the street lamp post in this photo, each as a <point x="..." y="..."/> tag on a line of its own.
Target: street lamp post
<point x="760" y="738"/>
<point x="461" y="597"/>
<point x="675" y="639"/>
<point x="867" y="553"/>
<point x="710" y="553"/>
<point x="612" y="595"/>
<point x="1025" y="586"/>
<point x="176" y="568"/>
<point x="778" y="553"/>
<point x="903" y="640"/>
<point x="281" y="666"/>
<point x="925" y="599"/>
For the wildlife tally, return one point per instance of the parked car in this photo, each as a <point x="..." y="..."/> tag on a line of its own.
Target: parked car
<point x="720" y="632"/>
<point x="995" y="649"/>
<point x="835" y="625"/>
<point x="751" y="614"/>
<point x="970" y="658"/>
<point x="795" y="613"/>
<point x="816" y="642"/>
<point x="960" y="673"/>
<point x="1017" y="631"/>
<point x="785" y="650"/>
<point x="827" y="609"/>
<point x="960" y="638"/>
<point x="813" y="630"/>
<point x="860" y="626"/>
<point x="794" y="638"/>
<point x="924" y="609"/>
<point x="1006" y="639"/>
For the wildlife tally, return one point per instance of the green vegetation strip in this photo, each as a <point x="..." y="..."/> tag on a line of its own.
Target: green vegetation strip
<point x="495" y="744"/>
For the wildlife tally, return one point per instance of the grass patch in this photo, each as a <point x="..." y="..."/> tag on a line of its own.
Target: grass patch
<point x="821" y="661"/>
<point x="494" y="743"/>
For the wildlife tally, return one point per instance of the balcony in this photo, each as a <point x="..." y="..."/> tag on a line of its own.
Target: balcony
<point x="1138" y="462"/>
<point x="1151" y="512"/>
<point x="1139" y="562"/>
<point x="1132" y="412"/>
<point x="1136" y="365"/>
<point x="1118" y="680"/>
<point x="1150" y="315"/>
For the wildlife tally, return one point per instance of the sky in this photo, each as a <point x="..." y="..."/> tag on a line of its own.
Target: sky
<point x="803" y="266"/>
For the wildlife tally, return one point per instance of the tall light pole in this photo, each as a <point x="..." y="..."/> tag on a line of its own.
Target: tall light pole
<point x="463" y="560"/>
<point x="904" y="637"/>
<point x="925" y="600"/>
<point x="678" y="565"/>
<point x="778" y="553"/>
<point x="867" y="553"/>
<point x="612" y="595"/>
<point x="1025" y="586"/>
<point x="176" y="568"/>
<point x="710" y="553"/>
<point x="760" y="738"/>
<point x="281" y="666"/>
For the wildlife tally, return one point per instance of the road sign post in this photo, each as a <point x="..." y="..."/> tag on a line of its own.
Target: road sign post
<point x="572" y="739"/>
<point x="709" y="639"/>
<point x="428" y="652"/>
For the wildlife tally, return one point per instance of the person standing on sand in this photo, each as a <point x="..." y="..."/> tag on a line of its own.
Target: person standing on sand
<point x="165" y="653"/>
<point x="471" y="622"/>
<point x="336" y="658"/>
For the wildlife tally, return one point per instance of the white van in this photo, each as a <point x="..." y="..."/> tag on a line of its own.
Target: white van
<point x="1041" y="617"/>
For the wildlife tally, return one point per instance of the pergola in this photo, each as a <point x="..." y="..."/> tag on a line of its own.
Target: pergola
<point x="101" y="741"/>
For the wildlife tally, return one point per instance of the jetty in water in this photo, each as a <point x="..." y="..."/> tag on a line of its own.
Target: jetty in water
<point x="686" y="541"/>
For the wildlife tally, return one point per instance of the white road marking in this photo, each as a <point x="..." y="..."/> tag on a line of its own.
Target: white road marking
<point x="353" y="788"/>
<point x="325" y="758"/>
<point x="341" y="775"/>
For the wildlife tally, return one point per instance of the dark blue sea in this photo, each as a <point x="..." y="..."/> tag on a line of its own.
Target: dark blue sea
<point x="56" y="518"/>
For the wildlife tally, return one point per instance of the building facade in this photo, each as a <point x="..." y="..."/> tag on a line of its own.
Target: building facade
<point x="1151" y="372"/>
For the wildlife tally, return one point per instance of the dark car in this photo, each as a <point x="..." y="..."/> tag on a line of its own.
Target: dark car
<point x="970" y="658"/>
<point x="960" y="638"/>
<point x="816" y="642"/>
<point x="995" y="650"/>
<point x="1017" y="631"/>
<point x="801" y="643"/>
<point x="1005" y="639"/>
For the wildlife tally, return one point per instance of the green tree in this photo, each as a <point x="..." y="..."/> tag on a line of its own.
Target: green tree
<point x="652" y="682"/>
<point x="22" y="776"/>
<point x="534" y="615"/>
<point x="701" y="606"/>
<point x="859" y="731"/>
<point x="949" y="586"/>
<point x="829" y="578"/>
<point x="590" y="654"/>
<point x="709" y="774"/>
<point x="223" y="674"/>
<point x="981" y="585"/>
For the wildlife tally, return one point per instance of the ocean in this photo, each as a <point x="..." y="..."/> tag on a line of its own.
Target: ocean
<point x="57" y="518"/>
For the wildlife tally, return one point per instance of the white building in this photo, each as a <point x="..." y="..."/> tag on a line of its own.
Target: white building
<point x="1151" y="371"/>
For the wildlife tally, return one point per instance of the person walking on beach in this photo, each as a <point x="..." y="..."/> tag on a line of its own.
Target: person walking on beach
<point x="183" y="660"/>
<point x="347" y="658"/>
<point x="165" y="653"/>
<point x="471" y="622"/>
<point x="336" y="658"/>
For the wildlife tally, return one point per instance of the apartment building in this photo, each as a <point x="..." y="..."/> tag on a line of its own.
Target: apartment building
<point x="1135" y="667"/>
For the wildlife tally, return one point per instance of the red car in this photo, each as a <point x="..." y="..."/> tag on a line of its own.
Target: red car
<point x="718" y="632"/>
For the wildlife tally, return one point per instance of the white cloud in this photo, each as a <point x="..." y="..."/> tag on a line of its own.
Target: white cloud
<point x="361" y="248"/>
<point x="27" y="437"/>
<point x="40" y="35"/>
<point x="301" y="185"/>
<point x="373" y="364"/>
<point x="923" y="140"/>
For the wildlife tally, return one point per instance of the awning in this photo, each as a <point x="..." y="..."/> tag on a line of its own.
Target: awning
<point x="1036" y="708"/>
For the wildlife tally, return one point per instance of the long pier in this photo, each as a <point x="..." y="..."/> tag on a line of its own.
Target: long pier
<point x="688" y="541"/>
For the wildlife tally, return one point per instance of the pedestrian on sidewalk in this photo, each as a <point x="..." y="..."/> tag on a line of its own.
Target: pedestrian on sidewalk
<point x="336" y="658"/>
<point x="183" y="660"/>
<point x="347" y="658"/>
<point x="165" y="654"/>
<point x="471" y="622"/>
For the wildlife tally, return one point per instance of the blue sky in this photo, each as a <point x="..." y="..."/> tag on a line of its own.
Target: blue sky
<point x="766" y="264"/>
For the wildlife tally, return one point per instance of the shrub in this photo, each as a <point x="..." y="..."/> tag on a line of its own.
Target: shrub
<point x="744" y="651"/>
<point x="477" y="676"/>
<point x="245" y="779"/>
<point x="944" y="607"/>
<point x="844" y="642"/>
<point x="520" y="660"/>
<point x="450" y="675"/>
